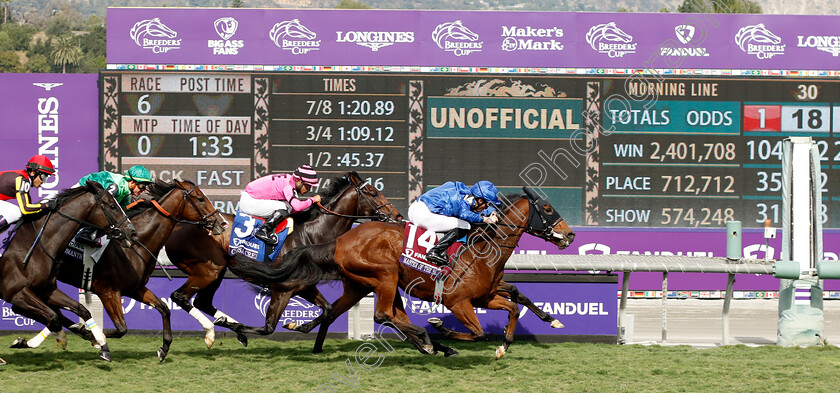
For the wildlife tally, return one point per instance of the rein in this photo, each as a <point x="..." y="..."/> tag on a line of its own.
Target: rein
<point x="379" y="216"/>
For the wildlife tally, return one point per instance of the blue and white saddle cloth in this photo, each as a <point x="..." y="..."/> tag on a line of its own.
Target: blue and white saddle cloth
<point x="243" y="241"/>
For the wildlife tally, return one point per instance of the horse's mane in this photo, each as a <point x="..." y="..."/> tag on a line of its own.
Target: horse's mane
<point x="337" y="186"/>
<point x="508" y="200"/>
<point x="159" y="188"/>
<point x="60" y="199"/>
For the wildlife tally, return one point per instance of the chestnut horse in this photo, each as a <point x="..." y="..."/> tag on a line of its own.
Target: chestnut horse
<point x="205" y="259"/>
<point x="366" y="259"/>
<point x="125" y="272"/>
<point x="29" y="266"/>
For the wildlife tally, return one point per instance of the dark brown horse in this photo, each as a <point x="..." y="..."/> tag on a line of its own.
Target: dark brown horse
<point x="366" y="259"/>
<point x="205" y="259"/>
<point x="28" y="268"/>
<point x="125" y="272"/>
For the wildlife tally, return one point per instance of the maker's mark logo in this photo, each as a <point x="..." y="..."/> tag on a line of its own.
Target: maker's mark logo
<point x="759" y="41"/>
<point x="153" y="34"/>
<point x="825" y="43"/>
<point x="531" y="39"/>
<point x="685" y="34"/>
<point x="225" y="28"/>
<point x="456" y="38"/>
<point x="291" y="35"/>
<point x="610" y="40"/>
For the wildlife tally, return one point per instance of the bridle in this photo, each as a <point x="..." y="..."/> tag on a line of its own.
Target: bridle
<point x="380" y="215"/>
<point x="205" y="219"/>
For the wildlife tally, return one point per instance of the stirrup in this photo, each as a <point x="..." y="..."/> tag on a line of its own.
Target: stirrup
<point x="270" y="240"/>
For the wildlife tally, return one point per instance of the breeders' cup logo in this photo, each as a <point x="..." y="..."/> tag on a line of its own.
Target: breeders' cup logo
<point x="375" y="39"/>
<point x="759" y="41"/>
<point x="225" y="28"/>
<point x="529" y="38"/>
<point x="685" y="33"/>
<point x="830" y="44"/>
<point x="456" y="38"/>
<point x="153" y="34"/>
<point x="297" y="310"/>
<point x="292" y="36"/>
<point x="608" y="39"/>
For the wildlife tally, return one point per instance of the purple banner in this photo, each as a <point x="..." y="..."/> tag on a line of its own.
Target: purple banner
<point x="292" y="37"/>
<point x="689" y="242"/>
<point x="54" y="115"/>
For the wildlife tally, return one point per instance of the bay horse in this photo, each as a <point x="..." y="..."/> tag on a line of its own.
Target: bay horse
<point x="29" y="266"/>
<point x="206" y="259"/>
<point x="366" y="259"/>
<point x="125" y="272"/>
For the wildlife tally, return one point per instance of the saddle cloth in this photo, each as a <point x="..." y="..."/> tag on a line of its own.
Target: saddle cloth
<point x="243" y="241"/>
<point x="416" y="243"/>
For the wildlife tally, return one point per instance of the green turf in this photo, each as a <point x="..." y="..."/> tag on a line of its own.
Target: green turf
<point x="270" y="366"/>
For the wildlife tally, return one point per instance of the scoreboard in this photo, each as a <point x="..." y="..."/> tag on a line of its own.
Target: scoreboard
<point x="630" y="150"/>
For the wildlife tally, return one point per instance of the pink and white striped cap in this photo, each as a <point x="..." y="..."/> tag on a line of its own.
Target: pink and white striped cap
<point x="306" y="174"/>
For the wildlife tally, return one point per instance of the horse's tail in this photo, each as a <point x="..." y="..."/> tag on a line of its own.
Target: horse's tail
<point x="301" y="267"/>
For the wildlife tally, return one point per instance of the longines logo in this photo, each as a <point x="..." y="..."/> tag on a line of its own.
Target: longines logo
<point x="825" y="43"/>
<point x="759" y="41"/>
<point x="375" y="39"/>
<point x="47" y="86"/>
<point x="153" y="34"/>
<point x="531" y="39"/>
<point x="293" y="36"/>
<point x="685" y="33"/>
<point x="456" y="38"/>
<point x="225" y="28"/>
<point x="608" y="39"/>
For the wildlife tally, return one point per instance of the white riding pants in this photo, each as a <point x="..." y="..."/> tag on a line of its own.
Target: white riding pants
<point x="10" y="211"/>
<point x="420" y="215"/>
<point x="260" y="207"/>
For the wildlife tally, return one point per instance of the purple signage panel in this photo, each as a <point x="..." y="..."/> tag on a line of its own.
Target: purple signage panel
<point x="680" y="241"/>
<point x="469" y="39"/>
<point x="54" y="115"/>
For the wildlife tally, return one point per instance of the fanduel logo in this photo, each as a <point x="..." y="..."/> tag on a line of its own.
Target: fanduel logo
<point x="225" y="28"/>
<point x="825" y="43"/>
<point x="375" y="39"/>
<point x="685" y="33"/>
<point x="608" y="39"/>
<point x="456" y="38"/>
<point x="529" y="38"/>
<point x="759" y="41"/>
<point x="153" y="34"/>
<point x="293" y="36"/>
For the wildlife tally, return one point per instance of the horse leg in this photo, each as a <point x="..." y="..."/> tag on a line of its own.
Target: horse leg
<point x="500" y="303"/>
<point x="400" y="314"/>
<point x="314" y="296"/>
<point x="511" y="292"/>
<point x="352" y="294"/>
<point x="278" y="302"/>
<point x="385" y="312"/>
<point x="112" y="303"/>
<point x="34" y="342"/>
<point x="182" y="297"/>
<point x="204" y="302"/>
<point x="148" y="297"/>
<point x="60" y="299"/>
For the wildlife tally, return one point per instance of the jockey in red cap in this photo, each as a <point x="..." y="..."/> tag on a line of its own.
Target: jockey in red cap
<point x="16" y="185"/>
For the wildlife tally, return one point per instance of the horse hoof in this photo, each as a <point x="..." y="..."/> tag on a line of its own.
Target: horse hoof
<point x="20" y="343"/>
<point x="105" y="353"/>
<point x="291" y="325"/>
<point x="243" y="339"/>
<point x="430" y="349"/>
<point x="210" y="338"/>
<point x="500" y="351"/>
<point x="451" y="352"/>
<point x="162" y="354"/>
<point x="557" y="324"/>
<point x="435" y="322"/>
<point x="2" y="362"/>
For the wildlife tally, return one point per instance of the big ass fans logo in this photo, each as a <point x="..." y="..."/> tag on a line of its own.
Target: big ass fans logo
<point x="293" y="36"/>
<point x="759" y="41"/>
<point x="456" y="38"/>
<point x="153" y="34"/>
<point x="608" y="39"/>
<point x="531" y="39"/>
<point x="225" y="28"/>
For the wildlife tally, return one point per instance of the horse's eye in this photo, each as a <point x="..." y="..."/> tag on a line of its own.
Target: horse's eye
<point x="201" y="200"/>
<point x="548" y="209"/>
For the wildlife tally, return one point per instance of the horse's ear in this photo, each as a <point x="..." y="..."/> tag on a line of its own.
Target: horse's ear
<point x="530" y="193"/>
<point x="354" y="178"/>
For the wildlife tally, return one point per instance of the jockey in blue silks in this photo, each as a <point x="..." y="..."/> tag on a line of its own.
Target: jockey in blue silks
<point x="451" y="208"/>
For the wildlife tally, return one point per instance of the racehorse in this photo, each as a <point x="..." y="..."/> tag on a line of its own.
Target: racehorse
<point x="29" y="266"/>
<point x="366" y="259"/>
<point x="205" y="259"/>
<point x="126" y="271"/>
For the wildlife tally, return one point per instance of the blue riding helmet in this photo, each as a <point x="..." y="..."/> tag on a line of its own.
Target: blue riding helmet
<point x="486" y="190"/>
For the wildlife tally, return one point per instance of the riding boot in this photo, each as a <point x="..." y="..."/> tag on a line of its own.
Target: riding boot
<point x="266" y="232"/>
<point x="87" y="235"/>
<point x="437" y="254"/>
<point x="4" y="224"/>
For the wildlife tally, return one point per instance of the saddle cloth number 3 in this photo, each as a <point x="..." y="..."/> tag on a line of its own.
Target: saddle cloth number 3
<point x="426" y="239"/>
